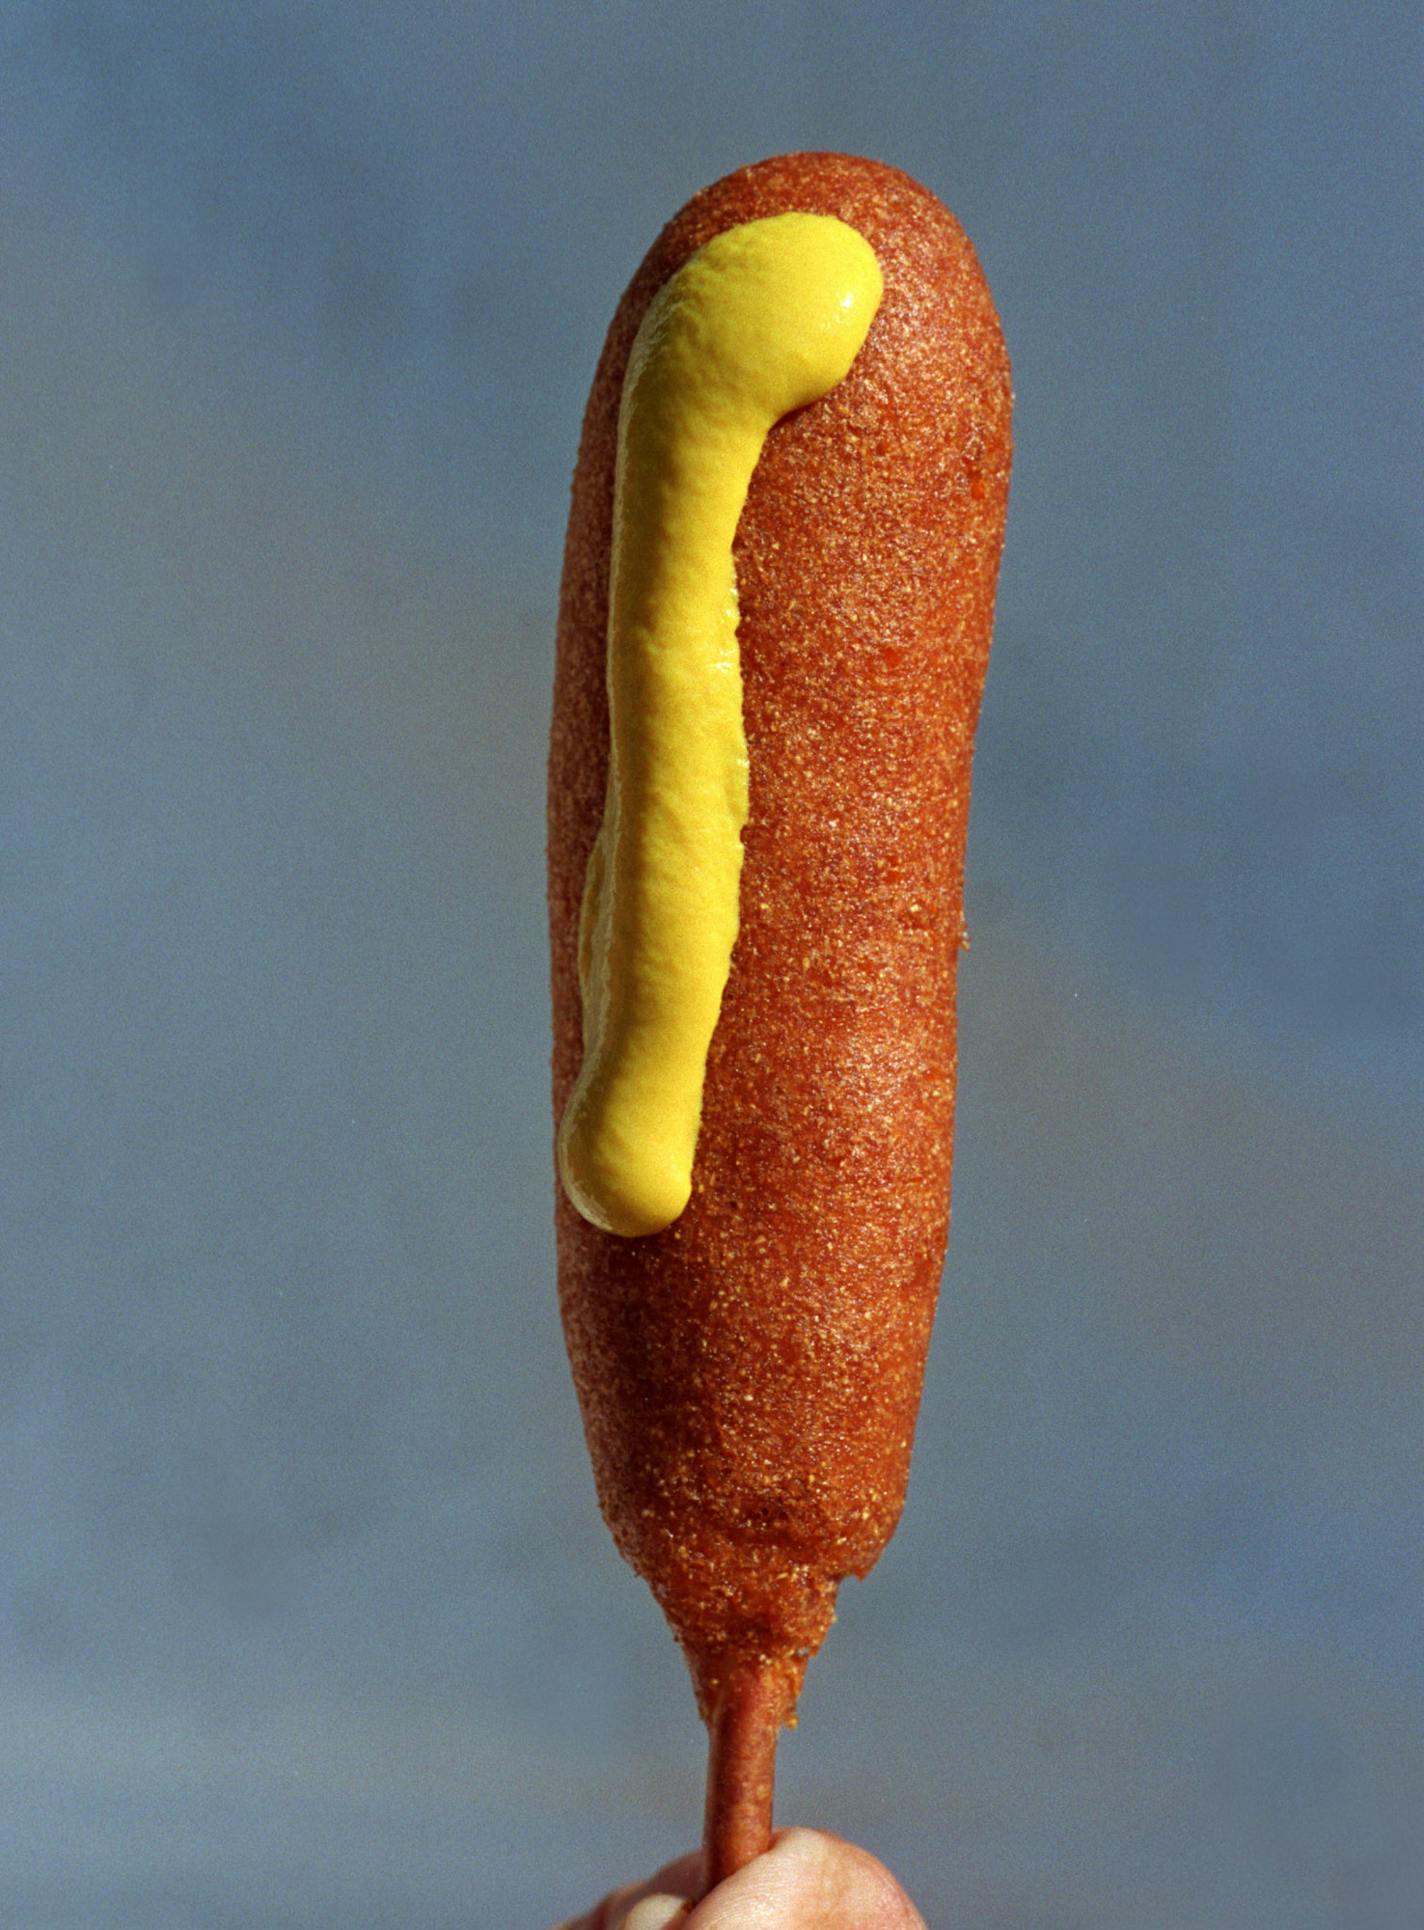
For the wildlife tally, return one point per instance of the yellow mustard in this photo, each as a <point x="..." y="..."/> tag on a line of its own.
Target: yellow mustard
<point x="765" y="318"/>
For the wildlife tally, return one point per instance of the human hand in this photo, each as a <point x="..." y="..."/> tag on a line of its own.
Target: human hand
<point x="805" y="1881"/>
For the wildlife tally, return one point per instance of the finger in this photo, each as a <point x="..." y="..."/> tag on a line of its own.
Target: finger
<point x="656" y="1913"/>
<point x="808" y="1880"/>
<point x="671" y="1886"/>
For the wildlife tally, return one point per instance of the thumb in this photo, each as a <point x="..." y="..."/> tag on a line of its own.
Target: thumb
<point x="807" y="1880"/>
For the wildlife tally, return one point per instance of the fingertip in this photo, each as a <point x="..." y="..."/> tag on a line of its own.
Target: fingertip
<point x="656" y="1913"/>
<point x="661" y="1901"/>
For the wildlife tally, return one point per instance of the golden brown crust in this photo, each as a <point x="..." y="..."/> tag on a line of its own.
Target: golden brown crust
<point x="749" y="1378"/>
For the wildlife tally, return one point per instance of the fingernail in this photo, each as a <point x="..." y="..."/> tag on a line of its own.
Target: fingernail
<point x="655" y="1913"/>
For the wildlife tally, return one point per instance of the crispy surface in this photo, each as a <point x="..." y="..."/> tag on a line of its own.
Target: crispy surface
<point x="749" y="1379"/>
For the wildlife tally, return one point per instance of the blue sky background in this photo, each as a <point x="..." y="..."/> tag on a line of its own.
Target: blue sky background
<point x="309" y="1612"/>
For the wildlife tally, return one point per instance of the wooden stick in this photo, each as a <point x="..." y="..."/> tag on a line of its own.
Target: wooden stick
<point x="741" y="1770"/>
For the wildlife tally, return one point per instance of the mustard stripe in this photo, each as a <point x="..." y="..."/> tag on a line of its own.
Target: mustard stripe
<point x="764" y="319"/>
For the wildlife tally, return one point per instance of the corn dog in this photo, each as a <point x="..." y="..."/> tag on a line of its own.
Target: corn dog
<point x="773" y="632"/>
